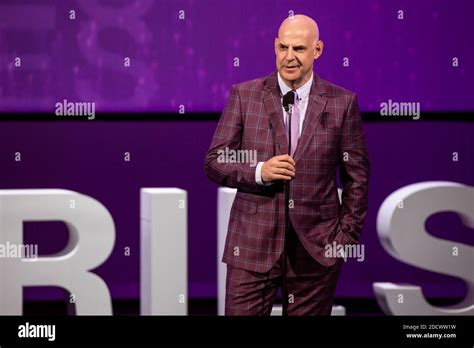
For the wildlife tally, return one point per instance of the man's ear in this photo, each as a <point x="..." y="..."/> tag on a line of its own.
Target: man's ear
<point x="276" y="45"/>
<point x="319" y="49"/>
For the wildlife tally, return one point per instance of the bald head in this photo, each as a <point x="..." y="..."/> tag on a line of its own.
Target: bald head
<point x="296" y="48"/>
<point x="302" y="24"/>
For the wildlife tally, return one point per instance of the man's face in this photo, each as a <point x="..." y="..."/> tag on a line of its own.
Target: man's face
<point x="296" y="51"/>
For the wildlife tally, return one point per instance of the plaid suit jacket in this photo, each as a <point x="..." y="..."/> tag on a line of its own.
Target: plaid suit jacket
<point x="332" y="138"/>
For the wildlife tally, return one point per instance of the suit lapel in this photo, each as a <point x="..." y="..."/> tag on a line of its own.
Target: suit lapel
<point x="316" y="105"/>
<point x="272" y="102"/>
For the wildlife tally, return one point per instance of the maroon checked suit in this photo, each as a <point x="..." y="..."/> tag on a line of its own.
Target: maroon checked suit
<point x="332" y="137"/>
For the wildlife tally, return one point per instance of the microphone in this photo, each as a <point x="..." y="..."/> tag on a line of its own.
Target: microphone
<point x="289" y="101"/>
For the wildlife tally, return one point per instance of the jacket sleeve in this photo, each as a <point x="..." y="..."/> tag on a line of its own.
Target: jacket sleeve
<point x="228" y="134"/>
<point x="354" y="171"/>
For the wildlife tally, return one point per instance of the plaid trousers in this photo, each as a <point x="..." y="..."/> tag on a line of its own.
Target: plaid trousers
<point x="311" y="286"/>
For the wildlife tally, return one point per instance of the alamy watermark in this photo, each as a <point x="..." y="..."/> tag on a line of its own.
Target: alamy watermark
<point x="335" y="250"/>
<point x="393" y="108"/>
<point x="28" y="330"/>
<point x="237" y="156"/>
<point x="67" y="108"/>
<point x="23" y="251"/>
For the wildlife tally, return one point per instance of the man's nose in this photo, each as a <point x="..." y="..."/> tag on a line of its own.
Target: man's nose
<point x="290" y="54"/>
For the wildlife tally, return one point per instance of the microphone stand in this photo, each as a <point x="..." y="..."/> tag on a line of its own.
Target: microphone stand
<point x="284" y="285"/>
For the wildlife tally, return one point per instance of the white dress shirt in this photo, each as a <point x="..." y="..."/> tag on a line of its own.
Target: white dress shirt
<point x="302" y="94"/>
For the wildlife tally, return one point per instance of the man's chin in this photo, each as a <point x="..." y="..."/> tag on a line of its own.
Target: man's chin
<point x="294" y="77"/>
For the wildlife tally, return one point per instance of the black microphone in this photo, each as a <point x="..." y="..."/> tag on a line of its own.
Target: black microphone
<point x="288" y="99"/>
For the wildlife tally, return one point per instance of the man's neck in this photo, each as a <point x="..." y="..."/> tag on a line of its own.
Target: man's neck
<point x="294" y="85"/>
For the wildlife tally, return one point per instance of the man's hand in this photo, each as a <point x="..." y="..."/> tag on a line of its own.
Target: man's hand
<point x="278" y="168"/>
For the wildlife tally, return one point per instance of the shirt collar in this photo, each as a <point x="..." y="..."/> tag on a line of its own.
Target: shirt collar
<point x="302" y="92"/>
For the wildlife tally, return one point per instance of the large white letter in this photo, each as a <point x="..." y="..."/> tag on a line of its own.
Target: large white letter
<point x="401" y="228"/>
<point x="91" y="240"/>
<point x="225" y="198"/>
<point x="163" y="252"/>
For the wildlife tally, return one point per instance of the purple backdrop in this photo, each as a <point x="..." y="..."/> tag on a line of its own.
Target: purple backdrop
<point x="190" y="61"/>
<point x="182" y="62"/>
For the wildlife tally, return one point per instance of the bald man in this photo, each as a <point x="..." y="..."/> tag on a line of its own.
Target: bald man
<point x="326" y="136"/>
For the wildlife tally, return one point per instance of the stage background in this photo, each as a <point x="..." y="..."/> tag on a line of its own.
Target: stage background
<point x="191" y="62"/>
